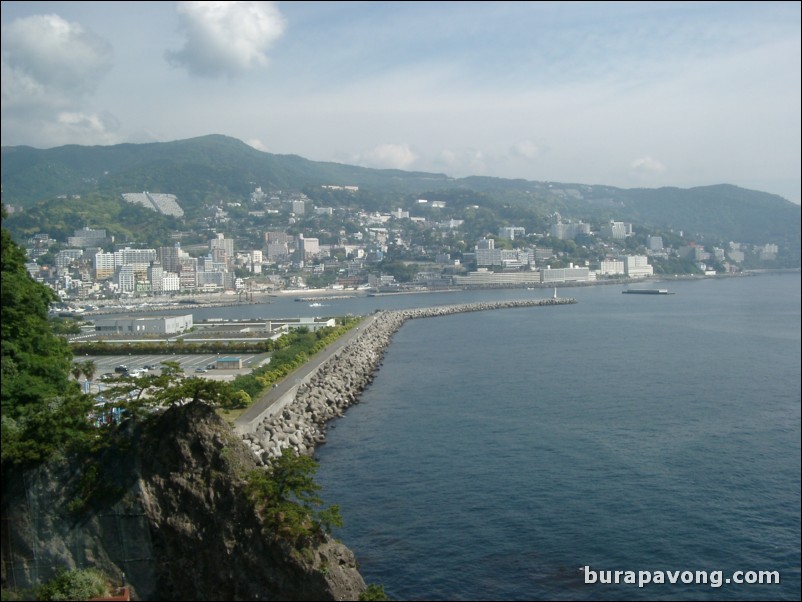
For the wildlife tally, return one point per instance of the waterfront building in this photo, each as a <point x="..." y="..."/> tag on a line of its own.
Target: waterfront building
<point x="165" y="325"/>
<point x="310" y="323"/>
<point x="693" y="252"/>
<point x="171" y="283"/>
<point x="637" y="266"/>
<point x="736" y="255"/>
<point x="611" y="267"/>
<point x="570" y="274"/>
<point x="484" y="277"/>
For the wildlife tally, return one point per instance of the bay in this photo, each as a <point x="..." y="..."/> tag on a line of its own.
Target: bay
<point x="497" y="452"/>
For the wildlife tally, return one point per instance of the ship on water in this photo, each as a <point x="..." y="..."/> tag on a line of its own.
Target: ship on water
<point x="646" y="291"/>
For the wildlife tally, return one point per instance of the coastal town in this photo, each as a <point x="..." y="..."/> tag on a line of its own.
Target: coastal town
<point x="280" y="242"/>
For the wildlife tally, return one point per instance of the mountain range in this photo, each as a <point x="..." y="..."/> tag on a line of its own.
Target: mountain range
<point x="213" y="167"/>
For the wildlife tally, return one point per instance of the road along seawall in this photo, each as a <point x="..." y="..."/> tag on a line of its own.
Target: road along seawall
<point x="300" y="422"/>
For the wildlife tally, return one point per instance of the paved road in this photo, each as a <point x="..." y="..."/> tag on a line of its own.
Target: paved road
<point x="296" y="377"/>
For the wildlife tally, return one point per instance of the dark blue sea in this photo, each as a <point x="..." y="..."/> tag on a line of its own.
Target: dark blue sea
<point x="497" y="452"/>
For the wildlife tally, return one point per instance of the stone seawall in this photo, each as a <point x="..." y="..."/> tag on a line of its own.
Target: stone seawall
<point x="337" y="383"/>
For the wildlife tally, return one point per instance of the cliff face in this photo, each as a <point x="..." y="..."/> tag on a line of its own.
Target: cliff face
<point x="170" y="513"/>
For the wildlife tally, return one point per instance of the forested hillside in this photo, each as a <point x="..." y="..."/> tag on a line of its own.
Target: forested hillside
<point x="208" y="169"/>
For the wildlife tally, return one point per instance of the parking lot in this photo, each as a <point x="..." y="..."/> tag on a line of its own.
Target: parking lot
<point x="192" y="365"/>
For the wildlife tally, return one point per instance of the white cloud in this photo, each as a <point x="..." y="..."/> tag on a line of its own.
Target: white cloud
<point x="526" y="149"/>
<point x="393" y="156"/>
<point x="226" y="38"/>
<point x="460" y="163"/>
<point x="448" y="158"/>
<point x="257" y="144"/>
<point x="48" y="62"/>
<point x="50" y="68"/>
<point x="85" y="128"/>
<point x="647" y="166"/>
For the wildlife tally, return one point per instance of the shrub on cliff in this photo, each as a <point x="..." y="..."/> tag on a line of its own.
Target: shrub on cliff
<point x="81" y="584"/>
<point x="285" y="495"/>
<point x="373" y="592"/>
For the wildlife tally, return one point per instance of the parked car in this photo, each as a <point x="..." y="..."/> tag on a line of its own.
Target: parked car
<point x="201" y="370"/>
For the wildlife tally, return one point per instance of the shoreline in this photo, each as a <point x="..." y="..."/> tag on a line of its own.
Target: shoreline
<point x="209" y="300"/>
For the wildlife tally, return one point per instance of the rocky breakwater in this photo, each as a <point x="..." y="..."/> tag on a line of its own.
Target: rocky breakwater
<point x="337" y="383"/>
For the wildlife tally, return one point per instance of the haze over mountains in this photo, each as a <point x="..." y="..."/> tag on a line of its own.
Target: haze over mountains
<point x="214" y="167"/>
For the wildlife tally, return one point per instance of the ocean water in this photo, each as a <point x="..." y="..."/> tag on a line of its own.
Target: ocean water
<point x="497" y="452"/>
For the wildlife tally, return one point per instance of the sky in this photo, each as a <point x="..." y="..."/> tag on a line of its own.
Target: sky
<point x="627" y="94"/>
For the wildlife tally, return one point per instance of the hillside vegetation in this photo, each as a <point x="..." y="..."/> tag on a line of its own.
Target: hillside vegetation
<point x="209" y="168"/>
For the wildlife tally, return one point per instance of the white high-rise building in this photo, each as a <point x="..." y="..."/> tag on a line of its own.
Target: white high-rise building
<point x="611" y="267"/>
<point x="615" y="230"/>
<point x="171" y="283"/>
<point x="637" y="266"/>
<point x="125" y="278"/>
<point x="104" y="265"/>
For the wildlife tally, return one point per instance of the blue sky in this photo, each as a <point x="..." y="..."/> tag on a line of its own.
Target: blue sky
<point x="627" y="94"/>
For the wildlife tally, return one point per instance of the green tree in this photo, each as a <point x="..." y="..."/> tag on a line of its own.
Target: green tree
<point x="139" y="394"/>
<point x="373" y="592"/>
<point x="65" y="326"/>
<point x="42" y="409"/>
<point x="402" y="272"/>
<point x="286" y="496"/>
<point x="81" y="584"/>
<point x="76" y="370"/>
<point x="88" y="368"/>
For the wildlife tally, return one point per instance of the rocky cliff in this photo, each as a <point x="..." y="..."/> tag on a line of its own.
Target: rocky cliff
<point x="164" y="509"/>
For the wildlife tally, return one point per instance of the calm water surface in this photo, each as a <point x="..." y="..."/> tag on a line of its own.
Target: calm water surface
<point x="497" y="452"/>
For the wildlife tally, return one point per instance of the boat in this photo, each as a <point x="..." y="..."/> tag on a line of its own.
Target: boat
<point x="647" y="291"/>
